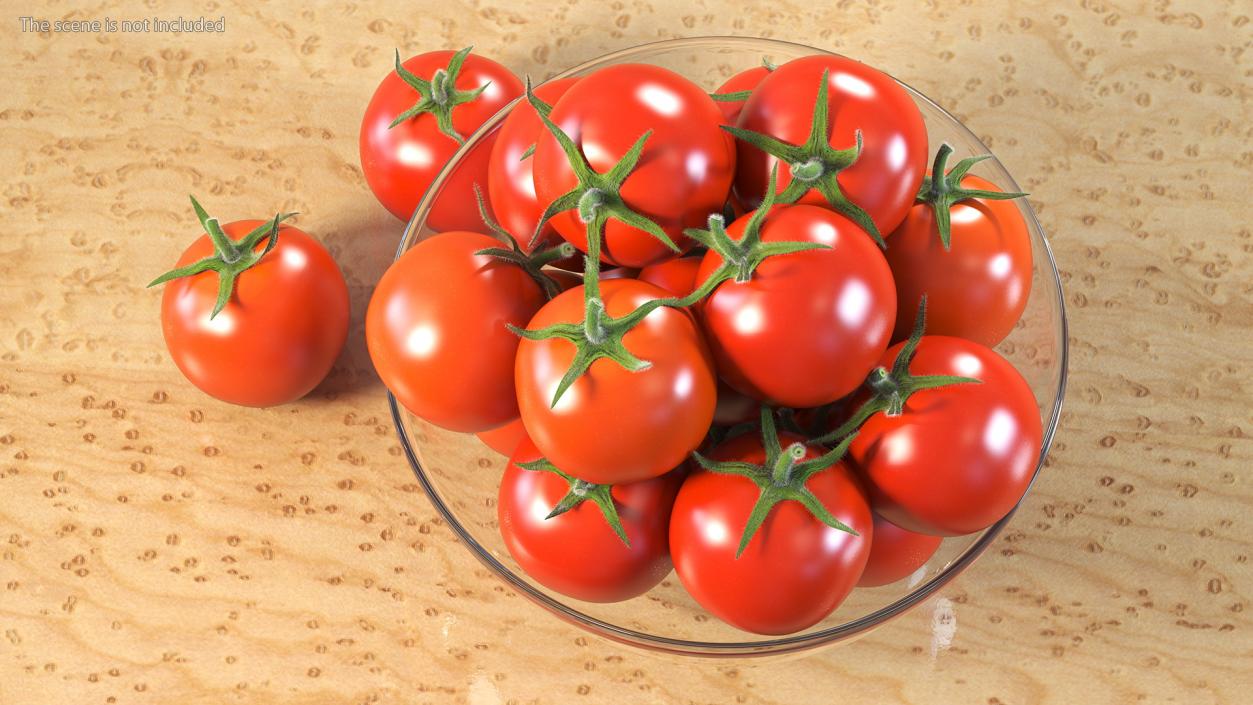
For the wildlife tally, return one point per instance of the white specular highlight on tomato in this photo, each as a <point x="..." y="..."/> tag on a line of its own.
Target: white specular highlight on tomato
<point x="898" y="152"/>
<point x="659" y="98"/>
<point x="683" y="384"/>
<point x="414" y="154"/>
<point x="854" y="304"/>
<point x="296" y="259"/>
<point x="999" y="266"/>
<point x="422" y="341"/>
<point x="749" y="320"/>
<point x="999" y="434"/>
<point x="222" y="324"/>
<point x="968" y="366"/>
<point x="697" y="165"/>
<point x="854" y="85"/>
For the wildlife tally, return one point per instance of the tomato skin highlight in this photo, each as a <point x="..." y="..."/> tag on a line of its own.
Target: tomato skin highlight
<point x="745" y="80"/>
<point x="886" y="176"/>
<point x="436" y="331"/>
<point x="576" y="553"/>
<point x="809" y="326"/>
<point x="279" y="334"/>
<point x="977" y="289"/>
<point x="401" y="162"/>
<point x="794" y="572"/>
<point x="612" y="425"/>
<point x="511" y="181"/>
<point x="895" y="553"/>
<point x="504" y="439"/>
<point x="677" y="276"/>
<point x="683" y="174"/>
<point x="959" y="457"/>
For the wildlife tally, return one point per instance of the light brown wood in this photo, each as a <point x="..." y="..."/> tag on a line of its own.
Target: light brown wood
<point x="158" y="546"/>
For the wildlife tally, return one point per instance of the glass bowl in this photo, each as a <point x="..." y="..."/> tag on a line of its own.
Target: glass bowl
<point x="461" y="475"/>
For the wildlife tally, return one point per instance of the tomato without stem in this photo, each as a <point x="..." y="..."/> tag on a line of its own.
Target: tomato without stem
<point x="978" y="287"/>
<point x="795" y="571"/>
<point x="809" y="326"/>
<point x="884" y="178"/>
<point x="401" y="162"/>
<point x="436" y="330"/>
<point x="613" y="425"/>
<point x="895" y="553"/>
<point x="510" y="175"/>
<point x="684" y="172"/>
<point x="959" y="457"/>
<point x="576" y="553"/>
<point x="278" y="335"/>
<point x="677" y="275"/>
<point x="504" y="439"/>
<point x="745" y="80"/>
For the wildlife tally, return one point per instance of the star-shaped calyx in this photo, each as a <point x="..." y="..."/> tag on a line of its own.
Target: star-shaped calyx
<point x="940" y="193"/>
<point x="230" y="258"/>
<point x="890" y="389"/>
<point x="781" y="477"/>
<point x="815" y="164"/>
<point x="582" y="491"/>
<point x="439" y="95"/>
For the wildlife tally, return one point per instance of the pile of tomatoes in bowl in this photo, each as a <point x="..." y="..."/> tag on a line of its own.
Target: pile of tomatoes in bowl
<point x="747" y="334"/>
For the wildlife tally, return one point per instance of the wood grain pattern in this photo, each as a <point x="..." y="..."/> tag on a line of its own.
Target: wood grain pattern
<point x="157" y="546"/>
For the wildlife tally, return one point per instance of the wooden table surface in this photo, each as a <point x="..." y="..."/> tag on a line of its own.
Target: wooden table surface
<point x="157" y="546"/>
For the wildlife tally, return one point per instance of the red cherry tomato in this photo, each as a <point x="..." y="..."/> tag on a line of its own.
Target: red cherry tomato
<point x="401" y="162"/>
<point x="279" y="334"/>
<point x="510" y="176"/>
<point x="809" y="326"/>
<point x="683" y="174"/>
<point x="436" y="331"/>
<point x="959" y="457"/>
<point x="884" y="179"/>
<point x="677" y="276"/>
<point x="504" y="439"/>
<point x="613" y="425"/>
<point x="745" y="80"/>
<point x="576" y="553"/>
<point x="794" y="572"/>
<point x="895" y="553"/>
<point x="979" y="287"/>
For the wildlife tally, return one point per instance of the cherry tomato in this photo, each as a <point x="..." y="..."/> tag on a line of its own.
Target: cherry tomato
<point x="401" y="162"/>
<point x="809" y="326"/>
<point x="886" y="175"/>
<point x="745" y="80"/>
<point x="510" y="177"/>
<point x="278" y="335"/>
<point x="677" y="275"/>
<point x="959" y="457"/>
<point x="684" y="172"/>
<point x="436" y="331"/>
<point x="613" y="425"/>
<point x="895" y="553"/>
<point x="978" y="288"/>
<point x="576" y="553"/>
<point x="504" y="439"/>
<point x="794" y="572"/>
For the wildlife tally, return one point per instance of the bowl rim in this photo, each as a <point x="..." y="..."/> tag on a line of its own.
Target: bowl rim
<point x="774" y="645"/>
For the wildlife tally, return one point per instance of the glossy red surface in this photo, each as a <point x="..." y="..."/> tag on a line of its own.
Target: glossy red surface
<point x="959" y="457"/>
<point x="279" y="334"/>
<point x="683" y="174"/>
<point x="614" y="425"/>
<point x="794" y="572"/>
<point x="576" y="553"/>
<point x="979" y="287"/>
<point x="886" y="176"/>
<point x="809" y="326"/>
<point x="401" y="162"/>
<point x="436" y="331"/>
